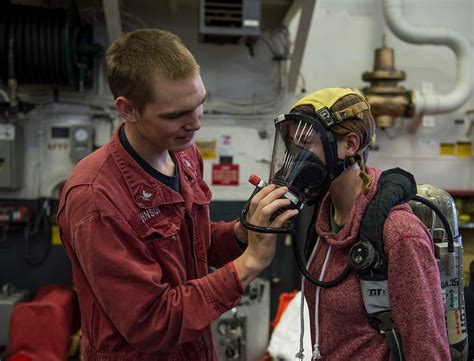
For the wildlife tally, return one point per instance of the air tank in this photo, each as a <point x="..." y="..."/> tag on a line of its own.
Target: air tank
<point x="450" y="264"/>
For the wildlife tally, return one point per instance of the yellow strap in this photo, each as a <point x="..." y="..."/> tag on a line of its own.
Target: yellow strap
<point x="351" y="112"/>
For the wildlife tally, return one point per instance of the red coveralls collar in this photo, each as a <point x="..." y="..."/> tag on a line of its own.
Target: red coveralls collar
<point x="147" y="190"/>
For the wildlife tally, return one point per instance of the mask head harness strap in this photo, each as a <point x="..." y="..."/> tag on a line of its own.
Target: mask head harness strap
<point x="329" y="119"/>
<point x="322" y="101"/>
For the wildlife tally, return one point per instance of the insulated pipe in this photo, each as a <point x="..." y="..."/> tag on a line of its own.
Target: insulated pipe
<point x="435" y="103"/>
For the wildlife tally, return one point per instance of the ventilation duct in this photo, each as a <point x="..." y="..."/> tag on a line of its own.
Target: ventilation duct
<point x="229" y="21"/>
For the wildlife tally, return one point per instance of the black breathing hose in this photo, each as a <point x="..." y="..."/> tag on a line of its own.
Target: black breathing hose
<point x="442" y="217"/>
<point x="347" y="270"/>
<point x="296" y="250"/>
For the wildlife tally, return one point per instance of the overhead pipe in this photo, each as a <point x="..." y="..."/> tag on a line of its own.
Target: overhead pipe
<point x="435" y="103"/>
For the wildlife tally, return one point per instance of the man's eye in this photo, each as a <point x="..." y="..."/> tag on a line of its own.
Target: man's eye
<point x="173" y="116"/>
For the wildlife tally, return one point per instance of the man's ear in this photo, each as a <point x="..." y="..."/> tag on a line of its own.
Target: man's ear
<point x="352" y="144"/>
<point x="126" y="109"/>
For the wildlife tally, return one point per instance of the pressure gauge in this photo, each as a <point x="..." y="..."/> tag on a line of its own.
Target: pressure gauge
<point x="81" y="134"/>
<point x="82" y="141"/>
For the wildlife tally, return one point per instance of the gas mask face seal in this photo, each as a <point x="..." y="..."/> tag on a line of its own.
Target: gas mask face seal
<point x="304" y="158"/>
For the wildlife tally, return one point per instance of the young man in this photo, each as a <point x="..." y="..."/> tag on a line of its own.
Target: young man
<point x="134" y="217"/>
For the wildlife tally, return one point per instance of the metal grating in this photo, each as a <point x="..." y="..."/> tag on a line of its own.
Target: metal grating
<point x="224" y="13"/>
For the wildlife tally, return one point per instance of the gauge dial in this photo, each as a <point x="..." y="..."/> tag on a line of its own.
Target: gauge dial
<point x="81" y="134"/>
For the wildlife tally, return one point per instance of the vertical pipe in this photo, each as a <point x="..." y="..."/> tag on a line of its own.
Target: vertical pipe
<point x="307" y="10"/>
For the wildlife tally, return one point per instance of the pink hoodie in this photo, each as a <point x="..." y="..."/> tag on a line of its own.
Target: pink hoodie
<point x="414" y="284"/>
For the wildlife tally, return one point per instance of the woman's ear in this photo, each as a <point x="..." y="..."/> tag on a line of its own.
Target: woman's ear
<point x="126" y="109"/>
<point x="351" y="144"/>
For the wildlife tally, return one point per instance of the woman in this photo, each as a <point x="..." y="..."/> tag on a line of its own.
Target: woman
<point x="339" y="325"/>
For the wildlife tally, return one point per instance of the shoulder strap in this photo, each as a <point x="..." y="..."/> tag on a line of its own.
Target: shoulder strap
<point x="367" y="256"/>
<point x="395" y="186"/>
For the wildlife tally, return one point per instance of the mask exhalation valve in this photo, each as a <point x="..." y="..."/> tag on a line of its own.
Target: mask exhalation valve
<point x="362" y="255"/>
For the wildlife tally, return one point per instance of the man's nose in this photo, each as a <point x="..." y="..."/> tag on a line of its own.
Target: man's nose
<point x="194" y="121"/>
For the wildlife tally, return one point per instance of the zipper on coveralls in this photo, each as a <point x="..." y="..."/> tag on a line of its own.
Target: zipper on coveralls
<point x="189" y="222"/>
<point x="205" y="348"/>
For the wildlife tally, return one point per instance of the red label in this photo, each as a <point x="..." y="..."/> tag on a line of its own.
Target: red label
<point x="226" y="139"/>
<point x="225" y="174"/>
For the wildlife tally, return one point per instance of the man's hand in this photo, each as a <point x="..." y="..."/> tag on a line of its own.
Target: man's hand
<point x="261" y="246"/>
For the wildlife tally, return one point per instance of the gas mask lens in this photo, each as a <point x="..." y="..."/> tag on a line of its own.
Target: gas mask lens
<point x="297" y="160"/>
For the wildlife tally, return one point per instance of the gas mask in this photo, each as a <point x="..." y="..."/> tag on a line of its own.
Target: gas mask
<point x="304" y="158"/>
<point x="305" y="151"/>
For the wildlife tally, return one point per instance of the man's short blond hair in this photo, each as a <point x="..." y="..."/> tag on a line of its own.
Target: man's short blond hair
<point x="136" y="57"/>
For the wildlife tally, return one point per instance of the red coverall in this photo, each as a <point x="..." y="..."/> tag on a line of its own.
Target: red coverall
<point x="140" y="253"/>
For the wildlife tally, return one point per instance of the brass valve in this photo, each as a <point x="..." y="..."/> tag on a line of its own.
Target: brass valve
<point x="387" y="99"/>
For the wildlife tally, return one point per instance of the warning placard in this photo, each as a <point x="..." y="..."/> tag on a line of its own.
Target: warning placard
<point x="225" y="174"/>
<point x="208" y="148"/>
<point x="464" y="149"/>
<point x="447" y="149"/>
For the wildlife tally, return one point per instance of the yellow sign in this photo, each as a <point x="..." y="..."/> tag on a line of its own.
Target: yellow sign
<point x="447" y="149"/>
<point x="464" y="149"/>
<point x="208" y="149"/>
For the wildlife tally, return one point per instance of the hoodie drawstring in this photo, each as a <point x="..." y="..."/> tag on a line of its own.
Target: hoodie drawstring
<point x="300" y="354"/>
<point x="316" y="353"/>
